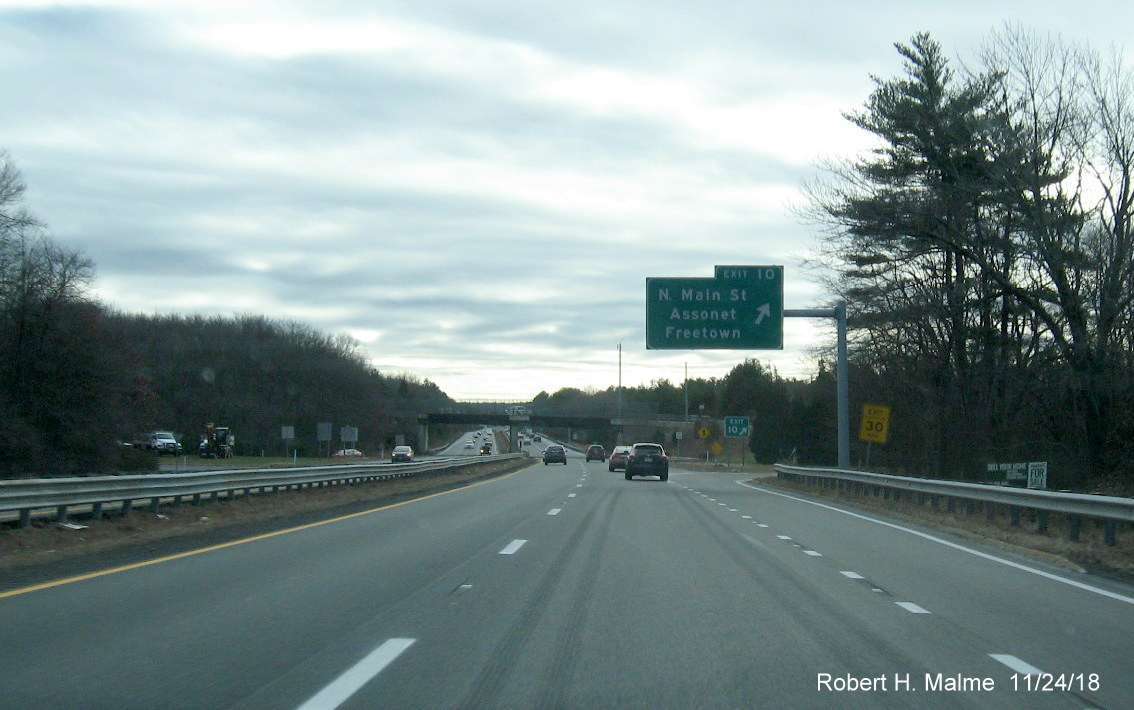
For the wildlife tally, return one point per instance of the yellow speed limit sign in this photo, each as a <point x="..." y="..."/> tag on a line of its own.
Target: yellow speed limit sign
<point x="875" y="424"/>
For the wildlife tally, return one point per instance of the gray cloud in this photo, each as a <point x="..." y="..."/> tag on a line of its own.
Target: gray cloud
<point x="476" y="192"/>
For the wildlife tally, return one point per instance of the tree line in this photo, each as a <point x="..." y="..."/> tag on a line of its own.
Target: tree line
<point x="80" y="381"/>
<point x="986" y="252"/>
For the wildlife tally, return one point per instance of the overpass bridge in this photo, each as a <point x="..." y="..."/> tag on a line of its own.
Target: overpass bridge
<point x="518" y="421"/>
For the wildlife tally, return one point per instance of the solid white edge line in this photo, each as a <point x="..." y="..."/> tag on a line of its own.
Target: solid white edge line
<point x="512" y="547"/>
<point x="912" y="608"/>
<point x="1016" y="664"/>
<point x="1015" y="565"/>
<point x="359" y="675"/>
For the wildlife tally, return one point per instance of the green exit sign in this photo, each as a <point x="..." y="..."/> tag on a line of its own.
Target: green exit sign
<point x="740" y="308"/>
<point x="736" y="427"/>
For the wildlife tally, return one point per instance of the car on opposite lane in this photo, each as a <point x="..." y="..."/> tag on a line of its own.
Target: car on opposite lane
<point x="647" y="459"/>
<point x="402" y="453"/>
<point x="555" y="454"/>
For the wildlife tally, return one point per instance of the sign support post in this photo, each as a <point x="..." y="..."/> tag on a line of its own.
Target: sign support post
<point x="839" y="313"/>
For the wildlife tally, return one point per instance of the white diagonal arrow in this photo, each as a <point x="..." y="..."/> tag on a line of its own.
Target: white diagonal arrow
<point x="764" y="311"/>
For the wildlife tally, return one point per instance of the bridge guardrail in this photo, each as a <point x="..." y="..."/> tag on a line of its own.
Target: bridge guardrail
<point x="25" y="496"/>
<point x="1075" y="506"/>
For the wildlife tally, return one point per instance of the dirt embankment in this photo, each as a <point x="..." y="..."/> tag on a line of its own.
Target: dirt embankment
<point x="46" y="550"/>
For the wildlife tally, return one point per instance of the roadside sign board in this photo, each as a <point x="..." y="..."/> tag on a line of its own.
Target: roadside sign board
<point x="1037" y="475"/>
<point x="736" y="427"/>
<point x="740" y="308"/>
<point x="875" y="424"/>
<point x="704" y="432"/>
<point x="1022" y="475"/>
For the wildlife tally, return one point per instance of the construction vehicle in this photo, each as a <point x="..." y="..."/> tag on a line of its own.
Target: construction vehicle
<point x="217" y="442"/>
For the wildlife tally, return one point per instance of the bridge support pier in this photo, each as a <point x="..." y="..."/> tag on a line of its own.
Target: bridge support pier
<point x="423" y="434"/>
<point x="515" y="423"/>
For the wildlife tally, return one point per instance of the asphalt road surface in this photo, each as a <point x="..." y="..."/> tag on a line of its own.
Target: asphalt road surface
<point x="570" y="587"/>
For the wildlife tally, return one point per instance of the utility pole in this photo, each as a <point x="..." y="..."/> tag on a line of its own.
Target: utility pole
<point x="685" y="386"/>
<point x="620" y="380"/>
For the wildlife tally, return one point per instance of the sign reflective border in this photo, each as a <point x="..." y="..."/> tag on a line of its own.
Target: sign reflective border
<point x="875" y="424"/>
<point x="741" y="308"/>
<point x="736" y="427"/>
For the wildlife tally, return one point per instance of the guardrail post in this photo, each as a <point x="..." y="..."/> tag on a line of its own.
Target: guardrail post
<point x="61" y="514"/>
<point x="25" y="518"/>
<point x="1041" y="521"/>
<point x="1015" y="515"/>
<point x="1074" y="527"/>
<point x="127" y="506"/>
<point x="1110" y="530"/>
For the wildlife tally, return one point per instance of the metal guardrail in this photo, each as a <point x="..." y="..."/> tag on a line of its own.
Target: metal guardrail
<point x="1075" y="506"/>
<point x="60" y="495"/>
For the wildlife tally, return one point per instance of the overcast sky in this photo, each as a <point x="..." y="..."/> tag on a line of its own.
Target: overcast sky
<point x="475" y="191"/>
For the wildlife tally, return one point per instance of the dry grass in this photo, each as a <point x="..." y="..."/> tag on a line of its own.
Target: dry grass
<point x="144" y="533"/>
<point x="1090" y="553"/>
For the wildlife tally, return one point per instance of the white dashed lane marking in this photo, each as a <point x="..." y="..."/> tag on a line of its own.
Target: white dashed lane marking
<point x="1016" y="664"/>
<point x="555" y="511"/>
<point x="359" y="675"/>
<point x="912" y="608"/>
<point x="513" y="547"/>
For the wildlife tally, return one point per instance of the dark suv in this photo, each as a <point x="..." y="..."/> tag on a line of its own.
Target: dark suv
<point x="647" y="460"/>
<point x="595" y="451"/>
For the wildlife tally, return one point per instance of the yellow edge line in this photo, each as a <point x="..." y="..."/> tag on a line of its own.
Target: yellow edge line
<point x="234" y="543"/>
